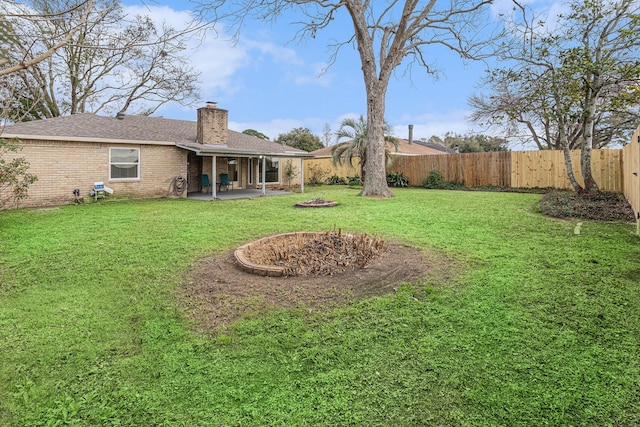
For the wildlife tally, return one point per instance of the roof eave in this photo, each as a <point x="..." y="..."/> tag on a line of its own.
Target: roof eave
<point x="206" y="151"/>
<point x="83" y="139"/>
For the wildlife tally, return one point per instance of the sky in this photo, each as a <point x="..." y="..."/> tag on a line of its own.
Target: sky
<point x="273" y="84"/>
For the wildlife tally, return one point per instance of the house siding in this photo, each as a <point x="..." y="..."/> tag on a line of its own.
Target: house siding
<point x="62" y="167"/>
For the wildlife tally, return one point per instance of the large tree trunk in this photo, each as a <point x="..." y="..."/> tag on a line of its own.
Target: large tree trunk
<point x="375" y="179"/>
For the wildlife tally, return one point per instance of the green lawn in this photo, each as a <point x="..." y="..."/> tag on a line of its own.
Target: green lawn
<point x="540" y="327"/>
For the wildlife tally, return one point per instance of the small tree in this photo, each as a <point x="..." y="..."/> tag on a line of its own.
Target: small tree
<point x="327" y="135"/>
<point x="356" y="146"/>
<point x="14" y="177"/>
<point x="290" y="171"/>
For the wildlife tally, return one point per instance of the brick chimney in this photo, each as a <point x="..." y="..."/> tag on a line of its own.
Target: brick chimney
<point x="213" y="125"/>
<point x="410" y="134"/>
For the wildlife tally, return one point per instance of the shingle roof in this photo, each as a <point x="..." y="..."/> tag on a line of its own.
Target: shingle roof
<point x="93" y="127"/>
<point x="404" y="149"/>
<point x="144" y="130"/>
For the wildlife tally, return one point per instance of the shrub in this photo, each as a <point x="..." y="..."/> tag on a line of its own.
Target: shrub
<point x="290" y="171"/>
<point x="434" y="180"/>
<point x="316" y="175"/>
<point x="397" y="179"/>
<point x="336" y="180"/>
<point x="353" y="180"/>
<point x="14" y="176"/>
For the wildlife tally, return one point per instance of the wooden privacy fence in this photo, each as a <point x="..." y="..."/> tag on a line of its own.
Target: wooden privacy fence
<point x="326" y="165"/>
<point x="517" y="169"/>
<point x="472" y="170"/>
<point x="546" y="169"/>
<point x="631" y="173"/>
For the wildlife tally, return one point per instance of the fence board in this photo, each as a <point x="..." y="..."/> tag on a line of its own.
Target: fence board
<point x="631" y="165"/>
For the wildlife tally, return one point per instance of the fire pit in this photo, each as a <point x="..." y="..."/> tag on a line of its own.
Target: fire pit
<point x="308" y="253"/>
<point x="316" y="203"/>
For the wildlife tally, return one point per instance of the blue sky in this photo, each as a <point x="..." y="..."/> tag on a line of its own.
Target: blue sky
<point x="271" y="84"/>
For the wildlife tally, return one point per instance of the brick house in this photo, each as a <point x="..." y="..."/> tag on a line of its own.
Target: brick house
<point x="141" y="156"/>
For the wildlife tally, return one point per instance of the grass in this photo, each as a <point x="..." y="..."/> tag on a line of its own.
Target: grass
<point x="541" y="328"/>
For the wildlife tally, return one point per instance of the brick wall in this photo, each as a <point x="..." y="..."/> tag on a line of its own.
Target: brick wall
<point x="63" y="166"/>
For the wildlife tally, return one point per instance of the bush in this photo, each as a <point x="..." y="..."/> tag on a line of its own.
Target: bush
<point x="397" y="179"/>
<point x="434" y="180"/>
<point x="336" y="180"/>
<point x="316" y="175"/>
<point x="353" y="180"/>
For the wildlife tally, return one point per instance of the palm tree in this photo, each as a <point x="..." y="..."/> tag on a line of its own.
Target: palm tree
<point x="356" y="146"/>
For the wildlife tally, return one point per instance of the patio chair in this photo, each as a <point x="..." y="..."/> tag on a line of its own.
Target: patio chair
<point x="224" y="182"/>
<point x="206" y="184"/>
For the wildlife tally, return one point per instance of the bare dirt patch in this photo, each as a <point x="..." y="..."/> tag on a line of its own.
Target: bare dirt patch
<point x="218" y="292"/>
<point x="598" y="206"/>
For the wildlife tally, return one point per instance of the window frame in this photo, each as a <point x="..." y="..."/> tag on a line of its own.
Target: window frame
<point x="271" y="159"/>
<point x="111" y="164"/>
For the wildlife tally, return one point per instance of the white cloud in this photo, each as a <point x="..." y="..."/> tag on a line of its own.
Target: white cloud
<point x="317" y="75"/>
<point x="213" y="54"/>
<point x="435" y="123"/>
<point x="272" y="128"/>
<point x="279" y="54"/>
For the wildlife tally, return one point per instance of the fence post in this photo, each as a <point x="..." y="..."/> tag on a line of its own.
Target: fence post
<point x="637" y="208"/>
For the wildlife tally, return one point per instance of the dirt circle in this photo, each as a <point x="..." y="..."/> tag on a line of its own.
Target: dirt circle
<point x="322" y="253"/>
<point x="217" y="292"/>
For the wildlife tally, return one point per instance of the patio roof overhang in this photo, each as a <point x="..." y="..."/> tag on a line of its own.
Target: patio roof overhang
<point x="223" y="150"/>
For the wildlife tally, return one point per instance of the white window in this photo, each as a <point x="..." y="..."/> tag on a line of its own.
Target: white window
<point x="124" y="163"/>
<point x="272" y="170"/>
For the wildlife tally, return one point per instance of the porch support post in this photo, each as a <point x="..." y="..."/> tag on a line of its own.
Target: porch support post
<point x="214" y="185"/>
<point x="302" y="174"/>
<point x="264" y="175"/>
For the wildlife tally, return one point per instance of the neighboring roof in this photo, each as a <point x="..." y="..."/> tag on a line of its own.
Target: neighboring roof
<point x="404" y="149"/>
<point x="439" y="147"/>
<point x="88" y="127"/>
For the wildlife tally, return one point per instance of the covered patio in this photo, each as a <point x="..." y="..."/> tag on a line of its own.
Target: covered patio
<point x="245" y="193"/>
<point x="251" y="167"/>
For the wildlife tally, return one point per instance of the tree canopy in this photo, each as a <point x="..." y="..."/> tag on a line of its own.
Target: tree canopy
<point x="108" y="63"/>
<point x="301" y="138"/>
<point x="255" y="133"/>
<point x="76" y="14"/>
<point x="472" y="143"/>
